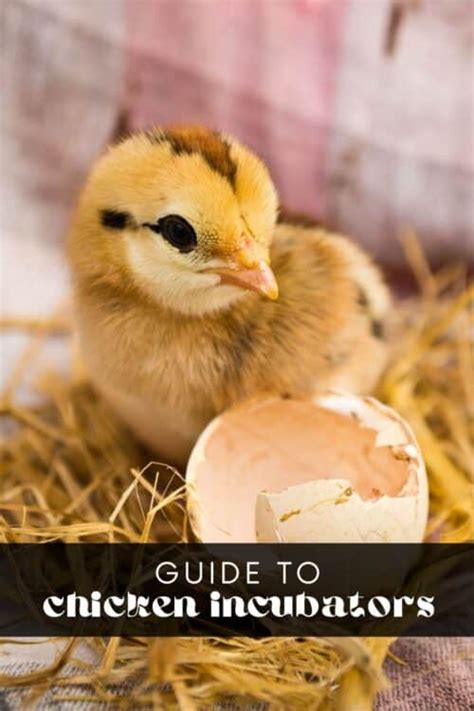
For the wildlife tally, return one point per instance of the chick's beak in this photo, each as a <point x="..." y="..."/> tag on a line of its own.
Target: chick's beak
<point x="249" y="272"/>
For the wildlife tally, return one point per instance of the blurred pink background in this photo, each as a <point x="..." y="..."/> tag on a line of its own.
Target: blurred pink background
<point x="362" y="137"/>
<point x="363" y="109"/>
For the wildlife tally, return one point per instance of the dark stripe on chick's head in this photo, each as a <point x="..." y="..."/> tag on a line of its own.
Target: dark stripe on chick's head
<point x="115" y="219"/>
<point x="202" y="141"/>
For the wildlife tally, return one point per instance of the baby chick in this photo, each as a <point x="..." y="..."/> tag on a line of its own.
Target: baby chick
<point x="189" y="296"/>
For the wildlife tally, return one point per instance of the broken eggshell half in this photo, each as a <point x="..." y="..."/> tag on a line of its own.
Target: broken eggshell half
<point x="333" y="469"/>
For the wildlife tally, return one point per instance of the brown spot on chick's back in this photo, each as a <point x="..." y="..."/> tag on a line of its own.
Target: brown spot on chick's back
<point x="209" y="144"/>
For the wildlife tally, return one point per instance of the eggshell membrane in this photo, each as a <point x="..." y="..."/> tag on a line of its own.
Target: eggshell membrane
<point x="337" y="469"/>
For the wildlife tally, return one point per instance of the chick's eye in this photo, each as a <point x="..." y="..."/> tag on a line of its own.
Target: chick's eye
<point x="177" y="231"/>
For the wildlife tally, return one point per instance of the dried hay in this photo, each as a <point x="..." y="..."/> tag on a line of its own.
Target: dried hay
<point x="71" y="471"/>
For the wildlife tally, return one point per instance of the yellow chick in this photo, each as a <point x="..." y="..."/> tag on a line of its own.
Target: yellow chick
<point x="189" y="296"/>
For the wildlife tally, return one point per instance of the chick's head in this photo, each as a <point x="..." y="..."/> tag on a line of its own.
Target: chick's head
<point x="186" y="215"/>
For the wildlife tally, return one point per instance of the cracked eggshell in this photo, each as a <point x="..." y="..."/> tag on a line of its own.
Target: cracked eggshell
<point x="338" y="468"/>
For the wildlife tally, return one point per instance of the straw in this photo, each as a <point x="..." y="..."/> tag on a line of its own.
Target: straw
<point x="71" y="471"/>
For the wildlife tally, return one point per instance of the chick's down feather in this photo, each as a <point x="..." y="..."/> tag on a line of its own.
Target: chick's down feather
<point x="172" y="259"/>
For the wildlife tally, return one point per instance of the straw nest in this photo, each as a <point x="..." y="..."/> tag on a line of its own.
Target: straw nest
<point x="70" y="471"/>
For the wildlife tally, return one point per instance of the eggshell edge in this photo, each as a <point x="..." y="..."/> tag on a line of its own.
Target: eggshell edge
<point x="383" y="509"/>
